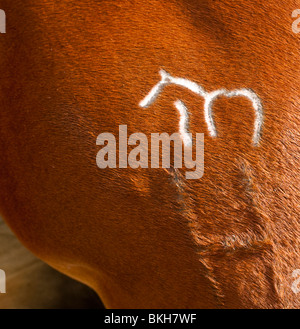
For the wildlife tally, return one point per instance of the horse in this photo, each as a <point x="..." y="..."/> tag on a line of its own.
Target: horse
<point x="150" y="237"/>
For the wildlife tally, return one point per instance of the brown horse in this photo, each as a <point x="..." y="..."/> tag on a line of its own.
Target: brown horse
<point x="150" y="238"/>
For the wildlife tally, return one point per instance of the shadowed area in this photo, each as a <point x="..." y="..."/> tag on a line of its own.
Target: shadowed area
<point x="32" y="284"/>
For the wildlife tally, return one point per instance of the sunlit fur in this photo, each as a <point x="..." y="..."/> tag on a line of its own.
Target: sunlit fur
<point x="149" y="238"/>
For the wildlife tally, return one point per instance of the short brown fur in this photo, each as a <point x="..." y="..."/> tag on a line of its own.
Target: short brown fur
<point x="148" y="238"/>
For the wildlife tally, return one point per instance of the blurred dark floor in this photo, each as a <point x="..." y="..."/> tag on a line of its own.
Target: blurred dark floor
<point x="32" y="284"/>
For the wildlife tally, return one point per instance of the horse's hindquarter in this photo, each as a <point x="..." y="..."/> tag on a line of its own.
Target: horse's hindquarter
<point x="149" y="237"/>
